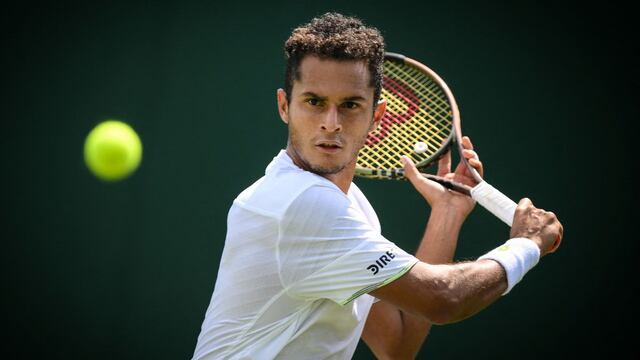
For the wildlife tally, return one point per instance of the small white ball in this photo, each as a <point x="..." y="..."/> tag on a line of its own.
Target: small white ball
<point x="420" y="147"/>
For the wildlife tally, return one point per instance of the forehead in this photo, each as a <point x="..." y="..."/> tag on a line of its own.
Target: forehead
<point x="333" y="77"/>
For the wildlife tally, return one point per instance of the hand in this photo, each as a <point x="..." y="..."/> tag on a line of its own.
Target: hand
<point x="436" y="194"/>
<point x="542" y="227"/>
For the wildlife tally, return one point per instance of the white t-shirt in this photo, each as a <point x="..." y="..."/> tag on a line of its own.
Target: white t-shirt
<point x="299" y="258"/>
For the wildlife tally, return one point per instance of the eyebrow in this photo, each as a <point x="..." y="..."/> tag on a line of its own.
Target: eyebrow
<point x="314" y="95"/>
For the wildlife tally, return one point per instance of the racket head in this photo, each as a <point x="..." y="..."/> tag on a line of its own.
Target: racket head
<point x="420" y="109"/>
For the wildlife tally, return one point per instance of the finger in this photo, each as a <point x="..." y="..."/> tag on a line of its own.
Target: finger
<point x="561" y="231"/>
<point x="524" y="203"/>
<point x="552" y="219"/>
<point x="466" y="143"/>
<point x="469" y="154"/>
<point x="410" y="170"/>
<point x="558" y="241"/>
<point x="556" y="245"/>
<point x="444" y="164"/>
<point x="476" y="164"/>
<point x="473" y="160"/>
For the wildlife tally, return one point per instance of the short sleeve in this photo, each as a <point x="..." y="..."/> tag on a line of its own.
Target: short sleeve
<point x="328" y="250"/>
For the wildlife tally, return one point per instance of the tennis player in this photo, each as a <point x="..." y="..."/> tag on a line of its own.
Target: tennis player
<point x="305" y="272"/>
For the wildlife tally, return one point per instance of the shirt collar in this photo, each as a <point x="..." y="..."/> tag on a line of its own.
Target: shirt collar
<point x="282" y="161"/>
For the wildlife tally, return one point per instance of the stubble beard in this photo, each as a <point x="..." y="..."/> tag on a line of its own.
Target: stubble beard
<point x="317" y="169"/>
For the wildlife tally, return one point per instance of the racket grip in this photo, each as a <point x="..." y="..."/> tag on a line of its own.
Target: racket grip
<point x="494" y="201"/>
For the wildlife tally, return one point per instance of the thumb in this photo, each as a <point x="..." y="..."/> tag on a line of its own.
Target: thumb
<point x="427" y="188"/>
<point x="410" y="170"/>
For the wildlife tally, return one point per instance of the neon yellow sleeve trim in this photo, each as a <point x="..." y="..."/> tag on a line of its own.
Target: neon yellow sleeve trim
<point x="386" y="281"/>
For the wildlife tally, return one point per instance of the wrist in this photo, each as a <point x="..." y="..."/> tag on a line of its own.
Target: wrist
<point x="517" y="256"/>
<point x="451" y="211"/>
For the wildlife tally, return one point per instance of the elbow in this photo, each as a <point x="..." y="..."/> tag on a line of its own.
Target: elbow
<point x="445" y="305"/>
<point x="444" y="311"/>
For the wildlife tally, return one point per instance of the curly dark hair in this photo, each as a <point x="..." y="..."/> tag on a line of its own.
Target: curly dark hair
<point x="335" y="36"/>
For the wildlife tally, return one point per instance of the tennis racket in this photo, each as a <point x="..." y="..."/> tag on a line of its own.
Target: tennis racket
<point x="422" y="121"/>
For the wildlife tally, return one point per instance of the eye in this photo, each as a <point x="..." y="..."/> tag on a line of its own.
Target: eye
<point x="314" y="102"/>
<point x="350" y="105"/>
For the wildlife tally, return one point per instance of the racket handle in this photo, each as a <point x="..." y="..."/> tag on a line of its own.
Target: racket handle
<point x="449" y="184"/>
<point x="494" y="201"/>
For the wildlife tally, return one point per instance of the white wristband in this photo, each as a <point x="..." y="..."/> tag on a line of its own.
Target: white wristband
<point x="517" y="256"/>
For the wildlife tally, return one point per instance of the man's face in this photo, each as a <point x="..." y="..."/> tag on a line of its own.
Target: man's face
<point x="329" y="114"/>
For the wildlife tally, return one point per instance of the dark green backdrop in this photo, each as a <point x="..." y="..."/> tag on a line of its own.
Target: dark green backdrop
<point x="125" y="271"/>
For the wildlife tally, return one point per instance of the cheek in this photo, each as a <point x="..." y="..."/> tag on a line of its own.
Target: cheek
<point x="361" y="130"/>
<point x="297" y="134"/>
<point x="303" y="126"/>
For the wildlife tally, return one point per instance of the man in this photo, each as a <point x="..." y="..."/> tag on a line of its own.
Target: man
<point x="305" y="272"/>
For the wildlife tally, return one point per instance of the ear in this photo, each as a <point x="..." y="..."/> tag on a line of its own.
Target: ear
<point x="378" y="113"/>
<point x="283" y="105"/>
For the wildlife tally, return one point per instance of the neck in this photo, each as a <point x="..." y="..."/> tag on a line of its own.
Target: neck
<point x="342" y="179"/>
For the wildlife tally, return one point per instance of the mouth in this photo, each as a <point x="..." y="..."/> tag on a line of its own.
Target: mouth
<point x="329" y="146"/>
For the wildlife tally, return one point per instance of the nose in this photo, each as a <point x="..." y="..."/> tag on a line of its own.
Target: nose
<point x="331" y="120"/>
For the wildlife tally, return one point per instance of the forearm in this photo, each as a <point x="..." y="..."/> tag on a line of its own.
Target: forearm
<point x="438" y="246"/>
<point x="440" y="238"/>
<point x="405" y="333"/>
<point x="460" y="290"/>
<point x="445" y="293"/>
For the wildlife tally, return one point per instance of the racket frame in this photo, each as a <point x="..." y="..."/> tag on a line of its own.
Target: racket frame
<point x="486" y="195"/>
<point x="489" y="197"/>
<point x="398" y="173"/>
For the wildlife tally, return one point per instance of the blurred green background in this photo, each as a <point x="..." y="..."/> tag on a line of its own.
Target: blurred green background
<point x="92" y="270"/>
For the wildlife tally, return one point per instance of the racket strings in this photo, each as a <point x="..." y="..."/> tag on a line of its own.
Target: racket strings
<point x="413" y="79"/>
<point x="417" y="110"/>
<point x="427" y="87"/>
<point x="434" y="94"/>
<point x="413" y="128"/>
<point x="401" y="141"/>
<point x="397" y="142"/>
<point x="435" y="124"/>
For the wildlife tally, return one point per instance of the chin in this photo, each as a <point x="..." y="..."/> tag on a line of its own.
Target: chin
<point x="320" y="170"/>
<point x="325" y="167"/>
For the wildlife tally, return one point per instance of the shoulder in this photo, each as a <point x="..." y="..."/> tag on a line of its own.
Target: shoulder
<point x="275" y="193"/>
<point x="319" y="200"/>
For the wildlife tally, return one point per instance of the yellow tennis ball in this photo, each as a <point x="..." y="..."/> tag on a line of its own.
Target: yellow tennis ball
<point x="112" y="150"/>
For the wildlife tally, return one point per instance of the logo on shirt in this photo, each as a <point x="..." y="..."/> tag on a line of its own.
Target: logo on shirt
<point x="381" y="262"/>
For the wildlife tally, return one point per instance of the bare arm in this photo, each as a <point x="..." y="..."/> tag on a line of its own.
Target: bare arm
<point x="452" y="292"/>
<point x="391" y="332"/>
<point x="446" y="293"/>
<point x="433" y="293"/>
